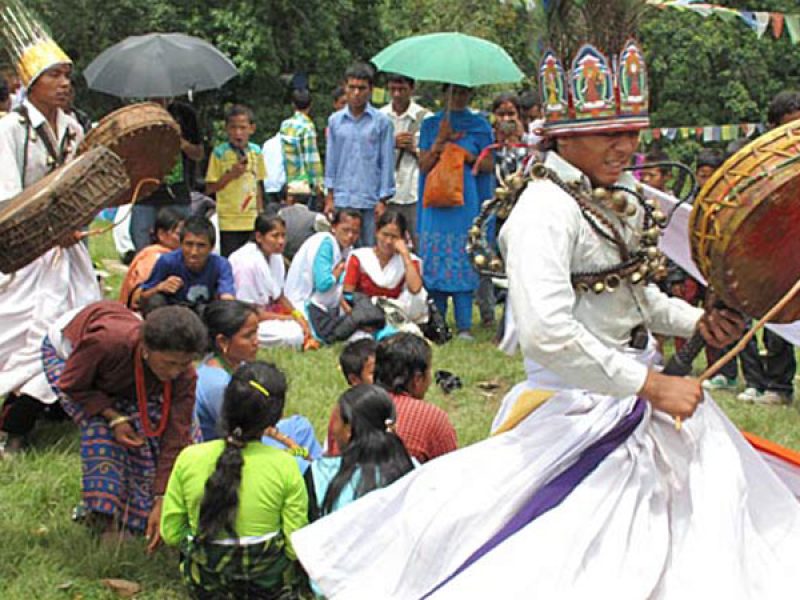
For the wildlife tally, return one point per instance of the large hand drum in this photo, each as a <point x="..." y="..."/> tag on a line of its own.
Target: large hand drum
<point x="145" y="137"/>
<point x="67" y="199"/>
<point x="745" y="225"/>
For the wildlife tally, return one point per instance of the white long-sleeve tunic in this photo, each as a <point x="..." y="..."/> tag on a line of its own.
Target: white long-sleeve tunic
<point x="580" y="337"/>
<point x="58" y="281"/>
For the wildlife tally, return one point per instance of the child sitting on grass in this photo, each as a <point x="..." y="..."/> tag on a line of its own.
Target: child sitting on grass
<point x="232" y="503"/>
<point x="357" y="363"/>
<point x="403" y="368"/>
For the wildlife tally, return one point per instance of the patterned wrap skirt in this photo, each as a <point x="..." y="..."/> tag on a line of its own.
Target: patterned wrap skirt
<point x="116" y="481"/>
<point x="258" y="570"/>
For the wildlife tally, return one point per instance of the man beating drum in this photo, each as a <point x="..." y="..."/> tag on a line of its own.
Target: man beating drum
<point x="35" y="139"/>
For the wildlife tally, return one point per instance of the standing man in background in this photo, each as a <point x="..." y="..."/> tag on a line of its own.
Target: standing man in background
<point x="359" y="165"/>
<point x="299" y="143"/>
<point x="406" y="116"/>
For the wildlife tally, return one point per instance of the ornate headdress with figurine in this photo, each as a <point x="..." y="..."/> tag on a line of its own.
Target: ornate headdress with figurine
<point x="30" y="48"/>
<point x="594" y="96"/>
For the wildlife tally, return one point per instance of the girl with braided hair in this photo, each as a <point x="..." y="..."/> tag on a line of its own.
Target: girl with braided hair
<point x="231" y="504"/>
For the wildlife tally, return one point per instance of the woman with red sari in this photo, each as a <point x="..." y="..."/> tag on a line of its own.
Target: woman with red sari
<point x="129" y="384"/>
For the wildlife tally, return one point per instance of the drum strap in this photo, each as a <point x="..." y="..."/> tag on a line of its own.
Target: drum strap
<point x="57" y="157"/>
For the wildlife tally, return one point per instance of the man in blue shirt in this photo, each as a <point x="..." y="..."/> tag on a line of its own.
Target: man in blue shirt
<point x="191" y="274"/>
<point x="359" y="164"/>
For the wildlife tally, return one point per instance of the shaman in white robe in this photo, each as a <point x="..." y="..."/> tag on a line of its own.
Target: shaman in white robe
<point x="664" y="514"/>
<point x="33" y="297"/>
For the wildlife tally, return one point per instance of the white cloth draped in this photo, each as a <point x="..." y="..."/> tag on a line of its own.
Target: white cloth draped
<point x="33" y="297"/>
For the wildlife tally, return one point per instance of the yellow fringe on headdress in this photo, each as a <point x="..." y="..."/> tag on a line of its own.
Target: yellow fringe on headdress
<point x="35" y="60"/>
<point x="30" y="47"/>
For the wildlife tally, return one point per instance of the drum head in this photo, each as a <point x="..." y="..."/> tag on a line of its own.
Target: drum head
<point x="145" y="137"/>
<point x="762" y="258"/>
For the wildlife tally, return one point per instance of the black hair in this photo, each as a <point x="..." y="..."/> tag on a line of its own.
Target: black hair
<point x="167" y="219"/>
<point x="197" y="225"/>
<point x="225" y="317"/>
<point x="337" y="92"/>
<point x="708" y="158"/>
<point x="353" y="213"/>
<point x="174" y="329"/>
<point x="528" y="100"/>
<point x="397" y="78"/>
<point x="4" y="91"/>
<point x="237" y="110"/>
<point x="355" y="355"/>
<point x="361" y="71"/>
<point x="374" y="451"/>
<point x="507" y="97"/>
<point x="266" y="223"/>
<point x="392" y="217"/>
<point x="246" y="412"/>
<point x="785" y="103"/>
<point x="301" y="99"/>
<point x="735" y="146"/>
<point x="398" y="359"/>
<point x="446" y="86"/>
<point x="657" y="155"/>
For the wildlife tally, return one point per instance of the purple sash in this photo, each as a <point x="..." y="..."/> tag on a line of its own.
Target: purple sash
<point x="554" y="492"/>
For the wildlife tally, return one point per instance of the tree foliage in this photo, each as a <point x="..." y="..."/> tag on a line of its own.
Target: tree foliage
<point x="707" y="71"/>
<point x="702" y="70"/>
<point x="268" y="40"/>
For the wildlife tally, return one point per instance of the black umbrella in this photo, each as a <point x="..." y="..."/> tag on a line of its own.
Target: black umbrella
<point x="159" y="65"/>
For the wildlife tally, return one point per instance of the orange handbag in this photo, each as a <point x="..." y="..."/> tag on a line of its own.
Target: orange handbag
<point x="444" y="186"/>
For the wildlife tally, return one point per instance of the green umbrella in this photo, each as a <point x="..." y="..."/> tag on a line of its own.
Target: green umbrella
<point x="449" y="58"/>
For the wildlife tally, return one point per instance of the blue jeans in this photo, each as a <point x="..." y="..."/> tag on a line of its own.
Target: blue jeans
<point x="143" y="218"/>
<point x="462" y="306"/>
<point x="367" y="227"/>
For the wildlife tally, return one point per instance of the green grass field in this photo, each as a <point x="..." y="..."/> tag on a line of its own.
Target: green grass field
<point x="44" y="555"/>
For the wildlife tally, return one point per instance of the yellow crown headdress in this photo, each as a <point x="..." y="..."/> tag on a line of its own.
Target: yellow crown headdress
<point x="30" y="47"/>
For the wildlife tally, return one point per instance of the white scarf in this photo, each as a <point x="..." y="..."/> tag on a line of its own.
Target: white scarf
<point x="388" y="277"/>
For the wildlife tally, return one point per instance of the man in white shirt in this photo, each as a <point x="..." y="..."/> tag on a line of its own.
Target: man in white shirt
<point x="406" y="116"/>
<point x="36" y="138"/>
<point x="591" y="490"/>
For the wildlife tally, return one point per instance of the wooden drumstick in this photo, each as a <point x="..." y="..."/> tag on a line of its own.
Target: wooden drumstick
<point x="681" y="362"/>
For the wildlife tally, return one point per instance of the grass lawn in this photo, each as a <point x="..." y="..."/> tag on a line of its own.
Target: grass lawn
<point x="44" y="555"/>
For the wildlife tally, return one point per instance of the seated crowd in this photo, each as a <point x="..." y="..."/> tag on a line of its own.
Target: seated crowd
<point x="183" y="433"/>
<point x="204" y="457"/>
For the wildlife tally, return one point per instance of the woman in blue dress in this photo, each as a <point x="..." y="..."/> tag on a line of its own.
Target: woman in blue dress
<point x="443" y="231"/>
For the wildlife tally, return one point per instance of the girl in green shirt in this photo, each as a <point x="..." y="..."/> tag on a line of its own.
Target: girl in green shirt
<point x="232" y="504"/>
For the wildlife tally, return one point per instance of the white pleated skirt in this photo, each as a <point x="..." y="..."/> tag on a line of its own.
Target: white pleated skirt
<point x="668" y="514"/>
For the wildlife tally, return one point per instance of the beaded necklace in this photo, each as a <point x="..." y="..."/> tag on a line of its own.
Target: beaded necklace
<point x="141" y="399"/>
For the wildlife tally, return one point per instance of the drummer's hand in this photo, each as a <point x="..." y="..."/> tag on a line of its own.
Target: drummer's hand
<point x="126" y="436"/>
<point x="70" y="239"/>
<point x="721" y="327"/>
<point x="170" y="285"/>
<point x="676" y="396"/>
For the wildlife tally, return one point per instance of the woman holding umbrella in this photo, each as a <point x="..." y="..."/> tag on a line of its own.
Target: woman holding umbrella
<point x="443" y="230"/>
<point x="462" y="62"/>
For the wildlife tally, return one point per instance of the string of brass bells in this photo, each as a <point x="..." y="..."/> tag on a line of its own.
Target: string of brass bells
<point x="641" y="264"/>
